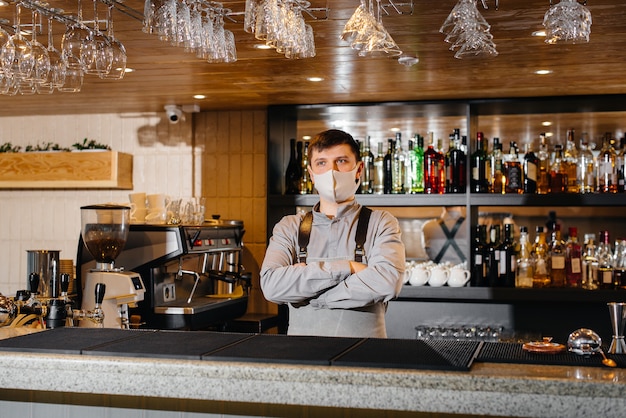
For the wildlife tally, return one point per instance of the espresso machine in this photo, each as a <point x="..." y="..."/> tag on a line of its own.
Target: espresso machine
<point x="192" y="274"/>
<point x="104" y="233"/>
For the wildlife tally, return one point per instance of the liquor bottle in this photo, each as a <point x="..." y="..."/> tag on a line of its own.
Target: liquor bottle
<point x="479" y="182"/>
<point x="479" y="257"/>
<point x="441" y="167"/>
<point x="388" y="168"/>
<point x="573" y="259"/>
<point x="493" y="256"/>
<point x="525" y="267"/>
<point x="619" y="271"/>
<point x="513" y="171"/>
<point x="398" y="166"/>
<point x="299" y="146"/>
<point x="417" y="184"/>
<point x="540" y="256"/>
<point x="558" y="172"/>
<point x="586" y="172"/>
<point x="543" y="178"/>
<point x="496" y="183"/>
<point x="604" y="254"/>
<point x="367" y="179"/>
<point x="530" y="170"/>
<point x="431" y="168"/>
<point x="606" y="175"/>
<point x="570" y="157"/>
<point x="409" y="165"/>
<point x="590" y="264"/>
<point x="557" y="258"/>
<point x="457" y="160"/>
<point x="379" y="171"/>
<point x="508" y="260"/>
<point x="620" y="162"/>
<point x="306" y="187"/>
<point x="294" y="170"/>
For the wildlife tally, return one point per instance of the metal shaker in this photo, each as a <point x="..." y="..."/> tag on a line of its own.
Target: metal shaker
<point x="46" y="264"/>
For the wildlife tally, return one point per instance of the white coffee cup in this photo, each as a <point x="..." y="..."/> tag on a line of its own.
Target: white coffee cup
<point x="138" y="199"/>
<point x="157" y="201"/>
<point x="458" y="277"/>
<point x="419" y="276"/>
<point x="438" y="276"/>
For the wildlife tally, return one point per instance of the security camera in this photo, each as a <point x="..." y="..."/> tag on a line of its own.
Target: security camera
<point x="174" y="113"/>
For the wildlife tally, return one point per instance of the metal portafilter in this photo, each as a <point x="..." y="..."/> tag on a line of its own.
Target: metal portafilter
<point x="57" y="313"/>
<point x="618" y="320"/>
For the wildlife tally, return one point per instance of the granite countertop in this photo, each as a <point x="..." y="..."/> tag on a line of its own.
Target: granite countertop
<point x="488" y="388"/>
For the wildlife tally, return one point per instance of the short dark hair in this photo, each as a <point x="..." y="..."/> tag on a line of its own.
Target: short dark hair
<point x="332" y="137"/>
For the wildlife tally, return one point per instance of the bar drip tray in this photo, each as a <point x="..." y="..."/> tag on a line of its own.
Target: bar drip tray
<point x="197" y="305"/>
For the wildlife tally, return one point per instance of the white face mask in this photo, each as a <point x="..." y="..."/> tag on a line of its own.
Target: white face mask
<point x="337" y="186"/>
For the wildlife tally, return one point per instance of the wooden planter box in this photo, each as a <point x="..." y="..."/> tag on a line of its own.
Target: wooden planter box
<point x="66" y="170"/>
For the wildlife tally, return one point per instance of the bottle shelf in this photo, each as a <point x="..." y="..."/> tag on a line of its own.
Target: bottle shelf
<point x="509" y="295"/>
<point x="473" y="199"/>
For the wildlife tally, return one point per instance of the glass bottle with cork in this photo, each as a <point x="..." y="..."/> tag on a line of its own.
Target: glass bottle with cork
<point x="496" y="182"/>
<point x="540" y="256"/>
<point x="379" y="171"/>
<point x="306" y="186"/>
<point x="513" y="171"/>
<point x="558" y="172"/>
<point x="480" y="167"/>
<point x="570" y="158"/>
<point x="431" y="167"/>
<point x="525" y="268"/>
<point x="367" y="179"/>
<point x="479" y="257"/>
<point x="586" y="170"/>
<point x="530" y="170"/>
<point x="573" y="259"/>
<point x="604" y="254"/>
<point x="606" y="174"/>
<point x="557" y="258"/>
<point x="417" y="184"/>
<point x="294" y="170"/>
<point x="456" y="162"/>
<point x="543" y="178"/>
<point x="590" y="264"/>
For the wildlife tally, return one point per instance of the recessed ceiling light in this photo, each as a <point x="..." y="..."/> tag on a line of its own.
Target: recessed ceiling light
<point x="395" y="129"/>
<point x="543" y="72"/>
<point x="315" y="79"/>
<point x="128" y="70"/>
<point x="546" y="123"/>
<point x="261" y="46"/>
<point x="549" y="134"/>
<point x="539" y="33"/>
<point x="306" y="137"/>
<point x="199" y="96"/>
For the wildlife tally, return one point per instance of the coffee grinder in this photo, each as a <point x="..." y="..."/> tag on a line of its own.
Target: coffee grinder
<point x="104" y="232"/>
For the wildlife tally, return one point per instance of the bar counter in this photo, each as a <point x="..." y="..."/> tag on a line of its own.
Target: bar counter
<point x="249" y="388"/>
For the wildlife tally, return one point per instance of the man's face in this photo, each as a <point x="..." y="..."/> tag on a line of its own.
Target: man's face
<point x="339" y="158"/>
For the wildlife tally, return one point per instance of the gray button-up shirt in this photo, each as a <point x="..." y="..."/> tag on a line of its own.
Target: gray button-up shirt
<point x="324" y="297"/>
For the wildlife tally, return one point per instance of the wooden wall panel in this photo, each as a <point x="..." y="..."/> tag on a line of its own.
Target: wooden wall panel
<point x="233" y="145"/>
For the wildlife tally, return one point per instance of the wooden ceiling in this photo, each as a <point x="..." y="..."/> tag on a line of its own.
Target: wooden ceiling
<point x="167" y="75"/>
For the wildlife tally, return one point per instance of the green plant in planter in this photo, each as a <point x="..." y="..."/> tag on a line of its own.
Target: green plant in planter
<point x="8" y="147"/>
<point x="90" y="144"/>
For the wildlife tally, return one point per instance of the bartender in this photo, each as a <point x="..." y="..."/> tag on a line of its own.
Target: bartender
<point x="313" y="263"/>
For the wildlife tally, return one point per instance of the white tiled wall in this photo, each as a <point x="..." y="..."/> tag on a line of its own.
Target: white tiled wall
<point x="50" y="219"/>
